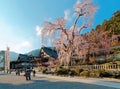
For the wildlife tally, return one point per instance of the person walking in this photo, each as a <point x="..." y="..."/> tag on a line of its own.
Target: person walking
<point x="28" y="74"/>
<point x="25" y="75"/>
<point x="16" y="72"/>
<point x="34" y="72"/>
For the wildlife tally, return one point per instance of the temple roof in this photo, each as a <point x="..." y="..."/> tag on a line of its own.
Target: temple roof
<point x="51" y="51"/>
<point x="23" y="57"/>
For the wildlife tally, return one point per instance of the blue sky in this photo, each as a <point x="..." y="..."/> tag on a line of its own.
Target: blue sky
<point x="19" y="19"/>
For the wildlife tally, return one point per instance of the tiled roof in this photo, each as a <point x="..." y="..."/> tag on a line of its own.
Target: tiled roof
<point x="50" y="51"/>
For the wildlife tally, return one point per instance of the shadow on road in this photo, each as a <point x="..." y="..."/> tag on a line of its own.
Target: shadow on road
<point x="44" y="83"/>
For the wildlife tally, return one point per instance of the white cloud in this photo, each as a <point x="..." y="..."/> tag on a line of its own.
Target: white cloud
<point x="3" y="47"/>
<point x="78" y="2"/>
<point x="26" y="44"/>
<point x="22" y="47"/>
<point x="12" y="38"/>
<point x="19" y="47"/>
<point x="66" y="13"/>
<point x="39" y="30"/>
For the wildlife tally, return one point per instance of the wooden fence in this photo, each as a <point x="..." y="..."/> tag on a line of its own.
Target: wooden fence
<point x="115" y="67"/>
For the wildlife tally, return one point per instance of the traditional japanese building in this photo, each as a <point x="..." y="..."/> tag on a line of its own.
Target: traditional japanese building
<point x="23" y="61"/>
<point x="47" y="57"/>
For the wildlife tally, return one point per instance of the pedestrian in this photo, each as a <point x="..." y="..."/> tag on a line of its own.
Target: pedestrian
<point x="25" y="75"/>
<point x="16" y="72"/>
<point x="28" y="74"/>
<point x="34" y="72"/>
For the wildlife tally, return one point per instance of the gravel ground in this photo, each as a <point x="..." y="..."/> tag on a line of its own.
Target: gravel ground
<point x="48" y="82"/>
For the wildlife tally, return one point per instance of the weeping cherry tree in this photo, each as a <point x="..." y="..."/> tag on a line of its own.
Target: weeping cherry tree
<point x="68" y="40"/>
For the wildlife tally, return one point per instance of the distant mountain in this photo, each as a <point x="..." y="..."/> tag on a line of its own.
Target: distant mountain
<point x="13" y="56"/>
<point x="35" y="52"/>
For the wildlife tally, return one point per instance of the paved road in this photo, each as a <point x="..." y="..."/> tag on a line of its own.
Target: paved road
<point x="43" y="82"/>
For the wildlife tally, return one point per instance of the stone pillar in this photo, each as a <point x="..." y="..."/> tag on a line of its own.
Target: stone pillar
<point x="7" y="61"/>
